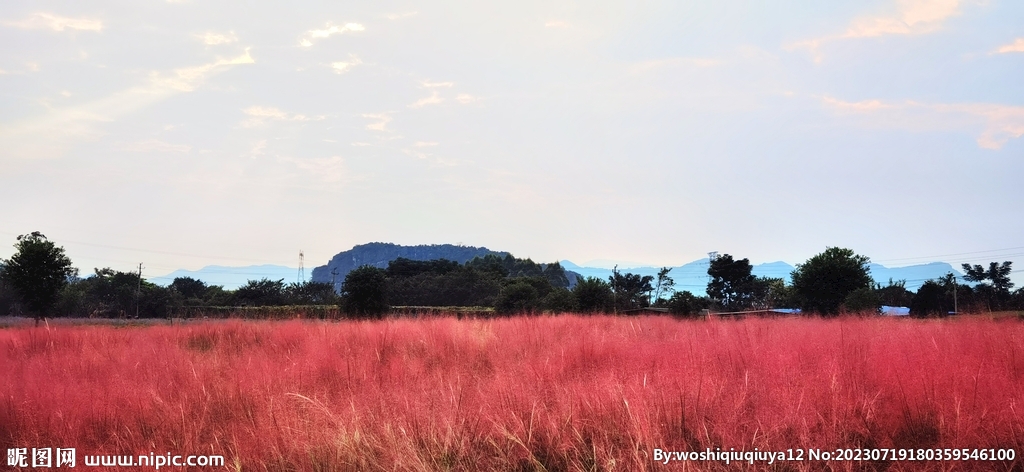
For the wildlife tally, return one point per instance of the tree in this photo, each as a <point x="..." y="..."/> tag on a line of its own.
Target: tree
<point x="188" y="287"/>
<point x="630" y="291"/>
<point x="732" y="284"/>
<point x="263" y="292"/>
<point x="517" y="297"/>
<point x="662" y="284"/>
<point x="37" y="272"/>
<point x="825" y="280"/>
<point x="592" y="295"/>
<point x="686" y="304"/>
<point x="364" y="292"/>
<point x="998" y="290"/>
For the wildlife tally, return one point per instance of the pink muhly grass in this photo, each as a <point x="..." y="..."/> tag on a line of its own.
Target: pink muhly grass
<point x="522" y="393"/>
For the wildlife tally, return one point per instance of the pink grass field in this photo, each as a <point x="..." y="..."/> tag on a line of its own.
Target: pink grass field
<point x="525" y="393"/>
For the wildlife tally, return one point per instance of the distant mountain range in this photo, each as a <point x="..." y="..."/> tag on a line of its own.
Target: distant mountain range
<point x="232" y="277"/>
<point x="692" y="276"/>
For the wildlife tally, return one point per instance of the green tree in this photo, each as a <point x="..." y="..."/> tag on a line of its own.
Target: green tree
<point x="862" y="300"/>
<point x="686" y="304"/>
<point x="264" y="292"/>
<point x="592" y="295"/>
<point x="998" y="285"/>
<point x="825" y="280"/>
<point x="732" y="284"/>
<point x="37" y="272"/>
<point x="630" y="291"/>
<point x="663" y="284"/>
<point x="559" y="300"/>
<point x="364" y="292"/>
<point x="517" y="297"/>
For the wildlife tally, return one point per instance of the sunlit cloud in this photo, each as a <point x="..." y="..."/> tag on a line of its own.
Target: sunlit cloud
<point x="187" y="79"/>
<point x="433" y="99"/>
<point x="49" y="135"/>
<point x="56" y="23"/>
<point x="466" y="99"/>
<point x="342" y="67"/>
<point x="380" y="123"/>
<point x="912" y="17"/>
<point x="258" y="148"/>
<point x="155" y="145"/>
<point x="993" y="124"/>
<point x="1016" y="46"/>
<point x="326" y="169"/>
<point x="428" y="84"/>
<point x="213" y="39"/>
<point x="329" y="31"/>
<point x="261" y="115"/>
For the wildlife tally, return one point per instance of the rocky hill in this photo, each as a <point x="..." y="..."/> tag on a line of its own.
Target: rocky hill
<point x="379" y="254"/>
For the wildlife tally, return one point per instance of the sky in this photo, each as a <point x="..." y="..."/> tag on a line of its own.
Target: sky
<point x="186" y="133"/>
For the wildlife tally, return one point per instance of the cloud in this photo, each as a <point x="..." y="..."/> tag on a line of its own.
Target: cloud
<point x="258" y="148"/>
<point x="342" y="67"/>
<point x="993" y="124"/>
<point x="260" y="115"/>
<point x="912" y="17"/>
<point x="187" y="79"/>
<point x="1016" y="46"/>
<point x="155" y="145"/>
<point x="433" y="99"/>
<point x="213" y="39"/>
<point x="466" y="99"/>
<point x="49" y="135"/>
<point x="381" y="121"/>
<point x="329" y="31"/>
<point x="556" y="24"/>
<point x="425" y="143"/>
<point x="428" y="84"/>
<point x="56" y="23"/>
<point x="327" y="169"/>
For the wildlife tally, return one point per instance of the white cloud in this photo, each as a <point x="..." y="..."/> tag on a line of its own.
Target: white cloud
<point x="428" y="84"/>
<point x="425" y="143"/>
<point x="187" y="79"/>
<point x="381" y="121"/>
<point x="56" y="23"/>
<point x="155" y="145"/>
<point x="258" y="148"/>
<point x="1016" y="46"/>
<point x="911" y="17"/>
<point x="213" y="39"/>
<point x="260" y="115"/>
<point x="327" y="169"/>
<point x="433" y="99"/>
<point x="49" y="135"/>
<point x="556" y="24"/>
<point x="329" y="31"/>
<point x="342" y="67"/>
<point x="466" y="99"/>
<point x="993" y="124"/>
<point x="361" y="144"/>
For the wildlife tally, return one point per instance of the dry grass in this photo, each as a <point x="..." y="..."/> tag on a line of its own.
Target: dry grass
<point x="531" y="393"/>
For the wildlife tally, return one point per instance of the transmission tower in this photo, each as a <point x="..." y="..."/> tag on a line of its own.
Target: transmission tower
<point x="302" y="267"/>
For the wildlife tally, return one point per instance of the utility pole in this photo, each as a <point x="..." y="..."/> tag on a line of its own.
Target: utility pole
<point x="302" y="267"/>
<point x="138" y="291"/>
<point x="334" y="276"/>
<point x="956" y="310"/>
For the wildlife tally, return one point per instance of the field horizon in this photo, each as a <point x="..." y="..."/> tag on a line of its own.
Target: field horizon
<point x="562" y="392"/>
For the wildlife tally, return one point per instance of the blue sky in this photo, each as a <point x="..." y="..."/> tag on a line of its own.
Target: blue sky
<point x="187" y="133"/>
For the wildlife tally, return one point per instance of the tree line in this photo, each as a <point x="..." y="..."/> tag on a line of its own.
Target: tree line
<point x="39" y="280"/>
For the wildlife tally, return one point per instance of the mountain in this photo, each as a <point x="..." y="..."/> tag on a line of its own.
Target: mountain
<point x="693" y="276"/>
<point x="379" y="254"/>
<point x="231" y="277"/>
